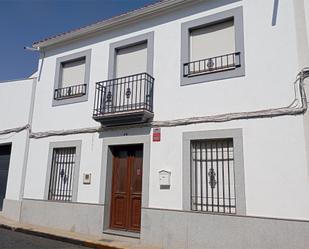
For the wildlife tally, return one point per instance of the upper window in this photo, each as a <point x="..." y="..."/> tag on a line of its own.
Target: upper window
<point x="212" y="47"/>
<point x="130" y="83"/>
<point x="131" y="56"/>
<point x="131" y="60"/>
<point x="73" y="72"/>
<point x="212" y="40"/>
<point x="72" y="78"/>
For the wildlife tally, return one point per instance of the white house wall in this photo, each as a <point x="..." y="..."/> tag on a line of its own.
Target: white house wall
<point x="276" y="177"/>
<point x="262" y="80"/>
<point x="272" y="167"/>
<point x="13" y="115"/>
<point x="91" y="150"/>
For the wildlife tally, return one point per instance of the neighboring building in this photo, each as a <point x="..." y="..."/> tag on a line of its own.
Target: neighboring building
<point x="182" y="124"/>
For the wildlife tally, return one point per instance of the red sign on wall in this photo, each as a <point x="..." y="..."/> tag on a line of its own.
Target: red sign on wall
<point x="156" y="135"/>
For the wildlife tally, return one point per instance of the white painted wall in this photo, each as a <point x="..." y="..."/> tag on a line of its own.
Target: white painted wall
<point x="18" y="142"/>
<point x="91" y="151"/>
<point x="262" y="80"/>
<point x="14" y="114"/>
<point x="275" y="169"/>
<point x="306" y="12"/>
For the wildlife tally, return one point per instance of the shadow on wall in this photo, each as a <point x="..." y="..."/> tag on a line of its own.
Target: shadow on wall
<point x="275" y="13"/>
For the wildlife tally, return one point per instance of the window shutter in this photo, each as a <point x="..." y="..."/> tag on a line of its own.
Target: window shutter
<point x="213" y="40"/>
<point x="73" y="73"/>
<point x="131" y="60"/>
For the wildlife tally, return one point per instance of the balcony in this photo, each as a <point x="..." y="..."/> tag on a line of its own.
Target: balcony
<point x="70" y="92"/>
<point x="125" y="100"/>
<point x="212" y="65"/>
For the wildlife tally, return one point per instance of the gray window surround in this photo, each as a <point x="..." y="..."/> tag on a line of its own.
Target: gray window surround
<point x="237" y="15"/>
<point x="147" y="37"/>
<point x="236" y="135"/>
<point x="63" y="144"/>
<point x="57" y="82"/>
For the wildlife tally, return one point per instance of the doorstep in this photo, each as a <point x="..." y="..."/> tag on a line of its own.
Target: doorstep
<point x="92" y="241"/>
<point x="122" y="233"/>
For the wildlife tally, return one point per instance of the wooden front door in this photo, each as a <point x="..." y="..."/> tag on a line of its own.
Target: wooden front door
<point x="127" y="188"/>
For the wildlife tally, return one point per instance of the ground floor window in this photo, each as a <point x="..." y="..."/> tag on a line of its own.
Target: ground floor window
<point x="62" y="173"/>
<point x="212" y="175"/>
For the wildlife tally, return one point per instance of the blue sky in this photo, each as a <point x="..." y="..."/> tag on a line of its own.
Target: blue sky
<point x="23" y="22"/>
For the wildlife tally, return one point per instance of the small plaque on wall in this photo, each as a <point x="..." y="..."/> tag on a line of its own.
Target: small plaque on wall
<point x="86" y="178"/>
<point x="165" y="179"/>
<point x="156" y="135"/>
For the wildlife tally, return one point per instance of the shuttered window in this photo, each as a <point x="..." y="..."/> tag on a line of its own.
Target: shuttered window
<point x="212" y="176"/>
<point x="62" y="172"/>
<point x="212" y="40"/>
<point x="73" y="72"/>
<point x="131" y="60"/>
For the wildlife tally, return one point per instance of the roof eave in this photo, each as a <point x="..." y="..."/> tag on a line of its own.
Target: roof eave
<point x="113" y="22"/>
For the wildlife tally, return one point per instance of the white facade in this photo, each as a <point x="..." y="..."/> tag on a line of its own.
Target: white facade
<point x="275" y="157"/>
<point x="16" y="116"/>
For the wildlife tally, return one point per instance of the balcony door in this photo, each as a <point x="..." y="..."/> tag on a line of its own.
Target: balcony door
<point x="127" y="188"/>
<point x="128" y="87"/>
<point x="131" y="60"/>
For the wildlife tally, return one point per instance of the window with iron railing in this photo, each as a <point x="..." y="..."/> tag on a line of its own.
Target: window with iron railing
<point x="212" y="176"/>
<point x="125" y="94"/>
<point x="62" y="173"/>
<point x="72" y="77"/>
<point x="212" y="49"/>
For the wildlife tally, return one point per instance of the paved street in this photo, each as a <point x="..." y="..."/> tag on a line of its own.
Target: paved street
<point x="15" y="240"/>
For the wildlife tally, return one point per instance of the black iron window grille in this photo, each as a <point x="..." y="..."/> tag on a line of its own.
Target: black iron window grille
<point x="70" y="92"/>
<point x="130" y="93"/>
<point x="212" y="176"/>
<point x="212" y="65"/>
<point x="62" y="171"/>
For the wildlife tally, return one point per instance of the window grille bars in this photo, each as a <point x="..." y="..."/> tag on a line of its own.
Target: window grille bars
<point x="212" y="65"/>
<point x="212" y="176"/>
<point x="62" y="172"/>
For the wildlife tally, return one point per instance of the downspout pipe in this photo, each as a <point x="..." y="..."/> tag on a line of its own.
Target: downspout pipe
<point x="26" y="154"/>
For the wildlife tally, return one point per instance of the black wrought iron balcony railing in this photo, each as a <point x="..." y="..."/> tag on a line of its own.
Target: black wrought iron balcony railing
<point x="124" y="95"/>
<point x="212" y="65"/>
<point x="70" y="92"/>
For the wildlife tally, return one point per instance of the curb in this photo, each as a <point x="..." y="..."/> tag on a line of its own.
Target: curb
<point x="58" y="237"/>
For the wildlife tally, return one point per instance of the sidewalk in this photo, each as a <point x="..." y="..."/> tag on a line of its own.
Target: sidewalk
<point x="98" y="242"/>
